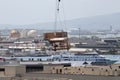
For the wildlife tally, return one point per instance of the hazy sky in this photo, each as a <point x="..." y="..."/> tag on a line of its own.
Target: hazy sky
<point x="38" y="11"/>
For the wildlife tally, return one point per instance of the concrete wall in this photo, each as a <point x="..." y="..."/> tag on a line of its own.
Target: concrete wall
<point x="11" y="70"/>
<point x="112" y="70"/>
<point x="52" y="68"/>
<point x="19" y="70"/>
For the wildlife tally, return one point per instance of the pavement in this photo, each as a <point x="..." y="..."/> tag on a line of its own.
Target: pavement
<point x="36" y="76"/>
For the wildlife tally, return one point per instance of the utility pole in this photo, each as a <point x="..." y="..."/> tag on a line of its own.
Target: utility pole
<point x="79" y="34"/>
<point x="0" y="36"/>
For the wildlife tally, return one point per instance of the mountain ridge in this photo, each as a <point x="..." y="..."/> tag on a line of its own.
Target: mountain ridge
<point x="90" y="23"/>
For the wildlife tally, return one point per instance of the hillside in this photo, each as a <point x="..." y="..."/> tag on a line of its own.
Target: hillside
<point x="88" y="23"/>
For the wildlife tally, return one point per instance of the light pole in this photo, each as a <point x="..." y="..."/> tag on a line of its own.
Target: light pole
<point x="79" y="34"/>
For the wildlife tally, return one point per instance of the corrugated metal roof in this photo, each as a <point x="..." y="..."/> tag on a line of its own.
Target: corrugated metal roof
<point x="80" y="49"/>
<point x="58" y="39"/>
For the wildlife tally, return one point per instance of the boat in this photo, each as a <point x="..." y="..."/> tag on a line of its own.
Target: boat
<point x="67" y="57"/>
<point x="91" y="58"/>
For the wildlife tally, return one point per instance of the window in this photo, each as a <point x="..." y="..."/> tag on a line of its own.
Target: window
<point x="2" y="69"/>
<point x="115" y="69"/>
<point x="106" y="70"/>
<point x="119" y="66"/>
<point x="92" y="69"/>
<point x="60" y="70"/>
<point x="53" y="68"/>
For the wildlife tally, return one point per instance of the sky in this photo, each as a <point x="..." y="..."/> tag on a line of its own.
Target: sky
<point x="22" y="12"/>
